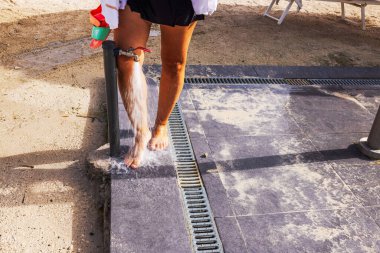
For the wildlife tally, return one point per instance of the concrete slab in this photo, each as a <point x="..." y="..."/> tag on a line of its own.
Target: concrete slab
<point x="220" y="70"/>
<point x="370" y="99"/>
<point x="146" y="209"/>
<point x="280" y="162"/>
<point x="146" y="216"/>
<point x="194" y="127"/>
<point x="374" y="212"/>
<point x="316" y="121"/>
<point x="229" y="232"/>
<point x="363" y="180"/>
<point x="223" y="98"/>
<point x="311" y="98"/>
<point x="203" y="155"/>
<point x="347" y="230"/>
<point x="154" y="71"/>
<point x="289" y="188"/>
<point x="217" y="195"/>
<point x="241" y="122"/>
<point x="185" y="101"/>
<point x="317" y="110"/>
<point x="257" y="152"/>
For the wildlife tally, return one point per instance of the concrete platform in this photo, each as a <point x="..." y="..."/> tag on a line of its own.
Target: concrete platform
<point x="282" y="171"/>
<point x="146" y="210"/>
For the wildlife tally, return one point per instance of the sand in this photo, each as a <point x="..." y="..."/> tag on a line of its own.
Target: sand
<point x="52" y="103"/>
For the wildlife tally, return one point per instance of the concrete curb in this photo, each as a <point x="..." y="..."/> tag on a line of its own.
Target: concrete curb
<point x="98" y="168"/>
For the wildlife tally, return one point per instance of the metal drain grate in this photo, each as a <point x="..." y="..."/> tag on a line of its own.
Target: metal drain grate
<point x="233" y="80"/>
<point x="200" y="221"/>
<point x="344" y="82"/>
<point x="295" y="82"/>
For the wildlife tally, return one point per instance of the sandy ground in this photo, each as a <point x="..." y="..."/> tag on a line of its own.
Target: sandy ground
<point x="52" y="102"/>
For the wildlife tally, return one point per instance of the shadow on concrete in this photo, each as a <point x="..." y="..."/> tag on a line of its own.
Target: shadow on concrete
<point x="252" y="163"/>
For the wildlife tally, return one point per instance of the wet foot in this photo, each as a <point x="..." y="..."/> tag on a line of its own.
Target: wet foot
<point x="160" y="139"/>
<point x="133" y="157"/>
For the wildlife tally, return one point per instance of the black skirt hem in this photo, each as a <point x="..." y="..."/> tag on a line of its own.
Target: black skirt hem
<point x="167" y="12"/>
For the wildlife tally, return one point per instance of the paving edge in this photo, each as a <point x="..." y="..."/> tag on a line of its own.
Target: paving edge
<point x="98" y="169"/>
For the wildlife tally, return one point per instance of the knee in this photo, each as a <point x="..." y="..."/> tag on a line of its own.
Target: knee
<point x="174" y="67"/>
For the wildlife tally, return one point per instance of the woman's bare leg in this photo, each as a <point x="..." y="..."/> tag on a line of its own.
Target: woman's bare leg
<point x="174" y="45"/>
<point x="133" y="32"/>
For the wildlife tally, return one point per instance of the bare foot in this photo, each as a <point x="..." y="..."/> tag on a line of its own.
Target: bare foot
<point x="133" y="158"/>
<point x="160" y="139"/>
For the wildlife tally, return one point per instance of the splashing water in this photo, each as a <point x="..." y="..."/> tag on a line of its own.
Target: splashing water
<point x="152" y="158"/>
<point x="149" y="160"/>
<point x="136" y="98"/>
<point x="118" y="166"/>
<point x="136" y="106"/>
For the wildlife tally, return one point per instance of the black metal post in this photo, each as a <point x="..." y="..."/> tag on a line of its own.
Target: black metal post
<point x="371" y="146"/>
<point x="112" y="99"/>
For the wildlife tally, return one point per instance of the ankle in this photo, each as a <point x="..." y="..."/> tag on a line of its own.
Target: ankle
<point x="160" y="124"/>
<point x="160" y="130"/>
<point x="142" y="131"/>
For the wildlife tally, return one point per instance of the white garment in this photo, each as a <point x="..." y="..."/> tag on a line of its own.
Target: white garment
<point x="205" y="7"/>
<point x="110" y="9"/>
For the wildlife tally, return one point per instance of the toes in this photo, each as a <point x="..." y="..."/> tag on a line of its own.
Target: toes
<point x="154" y="145"/>
<point x="134" y="165"/>
<point x="131" y="160"/>
<point x="157" y="144"/>
<point x="151" y="147"/>
<point x="163" y="145"/>
<point x="136" y="161"/>
<point x="128" y="161"/>
<point x="151" y="144"/>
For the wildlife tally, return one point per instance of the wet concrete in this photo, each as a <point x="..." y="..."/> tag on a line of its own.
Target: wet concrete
<point x="282" y="171"/>
<point x="279" y="164"/>
<point x="146" y="209"/>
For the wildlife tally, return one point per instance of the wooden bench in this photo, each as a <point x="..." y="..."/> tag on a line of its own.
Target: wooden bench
<point x="358" y="3"/>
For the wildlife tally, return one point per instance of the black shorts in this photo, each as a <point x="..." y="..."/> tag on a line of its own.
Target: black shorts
<point x="165" y="12"/>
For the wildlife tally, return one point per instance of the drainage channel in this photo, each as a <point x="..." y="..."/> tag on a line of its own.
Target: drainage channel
<point x="294" y="81"/>
<point x="233" y="80"/>
<point x="200" y="221"/>
<point x="345" y="82"/>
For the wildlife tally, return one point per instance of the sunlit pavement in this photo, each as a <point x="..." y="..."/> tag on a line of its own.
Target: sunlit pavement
<point x="279" y="163"/>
